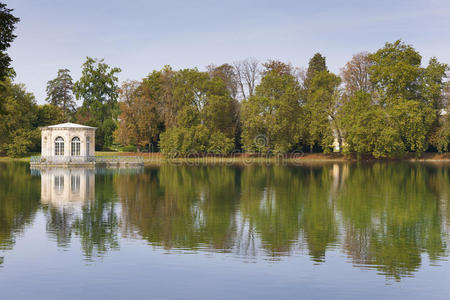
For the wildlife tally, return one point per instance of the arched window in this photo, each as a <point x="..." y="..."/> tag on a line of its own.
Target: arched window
<point x="59" y="146"/>
<point x="75" y="146"/>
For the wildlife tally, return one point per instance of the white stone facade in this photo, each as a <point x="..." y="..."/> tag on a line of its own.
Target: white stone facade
<point x="68" y="142"/>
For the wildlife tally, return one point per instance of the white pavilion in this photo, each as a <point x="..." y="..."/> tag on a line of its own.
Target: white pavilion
<point x="68" y="143"/>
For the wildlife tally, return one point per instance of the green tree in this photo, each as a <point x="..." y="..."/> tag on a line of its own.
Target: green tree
<point x="229" y="76"/>
<point x="203" y="109"/>
<point x="323" y="98"/>
<point x="49" y="114"/>
<point x="7" y="26"/>
<point x="271" y="114"/>
<point x="409" y="93"/>
<point x="441" y="137"/>
<point x="18" y="119"/>
<point x="59" y="93"/>
<point x="395" y="70"/>
<point x="367" y="127"/>
<point x="99" y="91"/>
<point x="159" y="85"/>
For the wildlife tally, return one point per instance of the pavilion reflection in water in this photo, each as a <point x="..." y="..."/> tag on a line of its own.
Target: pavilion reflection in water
<point x="63" y="186"/>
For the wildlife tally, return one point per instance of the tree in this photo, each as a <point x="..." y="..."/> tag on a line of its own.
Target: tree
<point x="412" y="120"/>
<point x="48" y="114"/>
<point x="271" y="114"/>
<point x="366" y="127"/>
<point x="203" y="115"/>
<point x="59" y="93"/>
<point x="99" y="91"/>
<point x="323" y="100"/>
<point x="228" y="74"/>
<point x="159" y="85"/>
<point x="355" y="74"/>
<point x="139" y="120"/>
<point x="408" y="91"/>
<point x="395" y="72"/>
<point x="441" y="136"/>
<point x="18" y="120"/>
<point x="7" y="26"/>
<point x="247" y="72"/>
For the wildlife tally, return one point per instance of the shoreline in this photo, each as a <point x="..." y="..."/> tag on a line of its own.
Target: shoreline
<point x="152" y="159"/>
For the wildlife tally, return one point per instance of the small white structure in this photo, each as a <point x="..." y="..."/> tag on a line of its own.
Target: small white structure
<point x="68" y="143"/>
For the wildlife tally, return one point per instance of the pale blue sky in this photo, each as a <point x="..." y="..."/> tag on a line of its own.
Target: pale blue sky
<point x="140" y="36"/>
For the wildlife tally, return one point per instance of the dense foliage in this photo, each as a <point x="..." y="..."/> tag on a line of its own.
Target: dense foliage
<point x="383" y="104"/>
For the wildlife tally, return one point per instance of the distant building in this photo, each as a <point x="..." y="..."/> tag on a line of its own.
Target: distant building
<point x="68" y="143"/>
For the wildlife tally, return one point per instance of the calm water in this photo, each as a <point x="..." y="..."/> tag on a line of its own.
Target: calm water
<point x="220" y="232"/>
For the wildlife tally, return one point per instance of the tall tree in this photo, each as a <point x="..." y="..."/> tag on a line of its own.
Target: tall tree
<point x="320" y="98"/>
<point x="7" y="26"/>
<point x="323" y="100"/>
<point x="98" y="88"/>
<point x="204" y="119"/>
<point x="159" y="85"/>
<point x="139" y="120"/>
<point x="270" y="116"/>
<point x="409" y="91"/>
<point x="228" y="75"/>
<point x="59" y="93"/>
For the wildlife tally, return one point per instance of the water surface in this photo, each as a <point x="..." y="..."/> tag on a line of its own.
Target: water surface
<point x="219" y="232"/>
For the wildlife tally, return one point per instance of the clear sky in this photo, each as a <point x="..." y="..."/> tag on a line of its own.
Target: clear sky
<point x="139" y="36"/>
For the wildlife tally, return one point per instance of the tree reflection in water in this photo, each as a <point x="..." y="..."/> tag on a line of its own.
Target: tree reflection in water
<point x="19" y="202"/>
<point x="384" y="216"/>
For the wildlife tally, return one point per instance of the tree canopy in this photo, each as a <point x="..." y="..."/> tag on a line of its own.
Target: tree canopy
<point x="383" y="104"/>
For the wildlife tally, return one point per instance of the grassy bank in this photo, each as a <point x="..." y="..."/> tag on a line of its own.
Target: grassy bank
<point x="158" y="158"/>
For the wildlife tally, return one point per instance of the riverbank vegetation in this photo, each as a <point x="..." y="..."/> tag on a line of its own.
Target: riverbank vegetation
<point x="387" y="103"/>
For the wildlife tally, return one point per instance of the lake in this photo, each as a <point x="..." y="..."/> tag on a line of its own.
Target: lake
<point x="328" y="230"/>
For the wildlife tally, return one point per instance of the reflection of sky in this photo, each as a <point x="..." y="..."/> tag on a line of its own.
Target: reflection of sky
<point x="139" y="36"/>
<point x="139" y="271"/>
